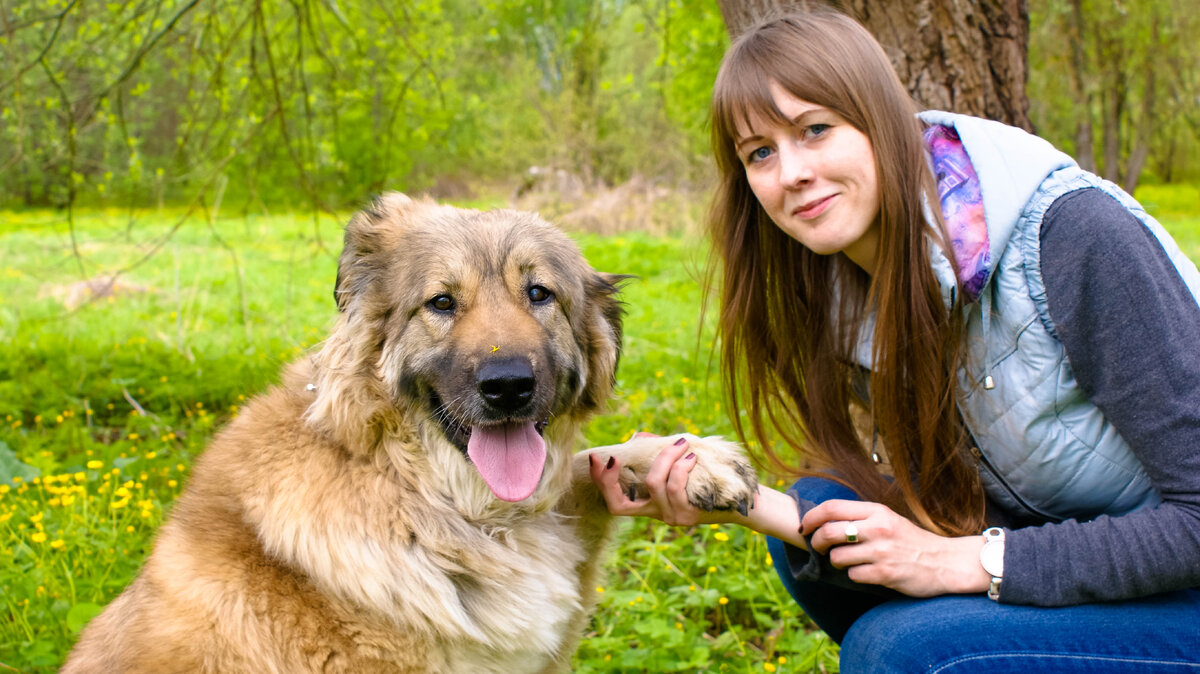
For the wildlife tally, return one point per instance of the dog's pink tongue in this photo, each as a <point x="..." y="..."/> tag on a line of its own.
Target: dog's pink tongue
<point x="509" y="457"/>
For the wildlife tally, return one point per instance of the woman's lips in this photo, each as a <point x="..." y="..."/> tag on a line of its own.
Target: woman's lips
<point x="814" y="208"/>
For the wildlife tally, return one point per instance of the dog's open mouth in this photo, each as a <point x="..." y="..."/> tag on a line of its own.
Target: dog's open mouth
<point x="509" y="455"/>
<point x="509" y="458"/>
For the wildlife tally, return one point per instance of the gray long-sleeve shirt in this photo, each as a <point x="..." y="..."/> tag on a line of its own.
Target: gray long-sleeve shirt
<point x="1131" y="331"/>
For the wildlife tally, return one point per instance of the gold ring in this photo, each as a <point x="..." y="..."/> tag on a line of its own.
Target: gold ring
<point x="851" y="533"/>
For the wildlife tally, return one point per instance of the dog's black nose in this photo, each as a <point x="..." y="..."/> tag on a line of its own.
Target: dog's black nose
<point x="507" y="385"/>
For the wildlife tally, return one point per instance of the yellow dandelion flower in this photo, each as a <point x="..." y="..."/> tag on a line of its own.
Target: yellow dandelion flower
<point x="146" y="514"/>
<point x="38" y="537"/>
<point x="95" y="465"/>
<point x="639" y="599"/>
<point x="118" y="504"/>
<point x="151" y="455"/>
<point x="782" y="660"/>
<point x="58" y="419"/>
<point x="691" y="588"/>
<point x="58" y="544"/>
<point x="712" y="569"/>
<point x="600" y="589"/>
<point x="134" y="436"/>
<point x="678" y="626"/>
<point x="768" y="666"/>
<point x="36" y="517"/>
<point x="714" y="526"/>
<point x="4" y="489"/>
<point x="4" y="517"/>
<point x="37" y="419"/>
<point x="163" y="379"/>
<point x="721" y="536"/>
<point x="80" y="476"/>
<point x="129" y="529"/>
<point x="685" y="380"/>
<point x="723" y="601"/>
<point x="172" y="484"/>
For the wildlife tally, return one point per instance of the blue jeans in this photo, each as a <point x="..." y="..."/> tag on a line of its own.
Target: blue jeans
<point x="957" y="634"/>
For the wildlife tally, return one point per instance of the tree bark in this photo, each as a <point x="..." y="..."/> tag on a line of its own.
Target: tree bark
<point x="1084" y="150"/>
<point x="968" y="56"/>
<point x="1145" y="132"/>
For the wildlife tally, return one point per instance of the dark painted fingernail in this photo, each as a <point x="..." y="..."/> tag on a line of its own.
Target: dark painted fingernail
<point x="611" y="461"/>
<point x="691" y="455"/>
<point x="680" y="441"/>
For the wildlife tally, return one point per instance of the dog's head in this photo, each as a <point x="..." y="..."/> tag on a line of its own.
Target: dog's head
<point x="489" y="325"/>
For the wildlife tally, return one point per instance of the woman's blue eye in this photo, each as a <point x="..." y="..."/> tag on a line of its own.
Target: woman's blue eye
<point x="817" y="129"/>
<point x="760" y="154"/>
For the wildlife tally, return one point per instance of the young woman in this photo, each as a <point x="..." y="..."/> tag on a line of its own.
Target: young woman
<point x="1021" y="337"/>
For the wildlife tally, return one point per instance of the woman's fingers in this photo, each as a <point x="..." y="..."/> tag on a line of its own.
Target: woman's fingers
<point x="665" y="481"/>
<point x="607" y="476"/>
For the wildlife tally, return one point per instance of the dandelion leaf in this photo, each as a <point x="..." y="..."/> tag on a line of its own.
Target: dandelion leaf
<point x="11" y="466"/>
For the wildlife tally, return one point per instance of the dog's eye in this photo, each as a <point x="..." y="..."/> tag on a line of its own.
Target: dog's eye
<point x="442" y="303"/>
<point x="539" y="295"/>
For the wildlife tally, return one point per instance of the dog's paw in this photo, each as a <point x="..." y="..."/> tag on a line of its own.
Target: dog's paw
<point x="722" y="478"/>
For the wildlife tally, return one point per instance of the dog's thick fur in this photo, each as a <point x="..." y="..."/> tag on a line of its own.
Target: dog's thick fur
<point x="344" y="523"/>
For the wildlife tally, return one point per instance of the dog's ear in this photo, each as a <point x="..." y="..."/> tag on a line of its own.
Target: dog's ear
<point x="603" y="326"/>
<point x="366" y="237"/>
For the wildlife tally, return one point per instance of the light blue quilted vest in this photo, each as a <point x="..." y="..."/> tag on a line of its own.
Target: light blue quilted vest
<point x="1045" y="449"/>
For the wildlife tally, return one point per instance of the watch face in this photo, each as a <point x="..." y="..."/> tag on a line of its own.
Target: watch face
<point x="992" y="558"/>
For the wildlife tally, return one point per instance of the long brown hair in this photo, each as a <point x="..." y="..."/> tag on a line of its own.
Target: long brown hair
<point x="790" y="320"/>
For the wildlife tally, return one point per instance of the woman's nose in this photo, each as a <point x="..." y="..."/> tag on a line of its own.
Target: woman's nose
<point x="795" y="166"/>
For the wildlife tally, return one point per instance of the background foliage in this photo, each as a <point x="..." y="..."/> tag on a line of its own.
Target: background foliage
<point x="202" y="156"/>
<point x="316" y="103"/>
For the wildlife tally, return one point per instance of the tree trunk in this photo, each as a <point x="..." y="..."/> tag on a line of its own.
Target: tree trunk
<point x="1084" y="152"/>
<point x="1141" y="148"/>
<point x="968" y="56"/>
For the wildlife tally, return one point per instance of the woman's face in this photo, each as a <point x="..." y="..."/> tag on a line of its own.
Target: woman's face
<point x="815" y="177"/>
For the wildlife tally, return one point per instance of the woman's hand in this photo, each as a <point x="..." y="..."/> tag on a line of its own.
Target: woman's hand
<point x="774" y="513"/>
<point x="665" y="481"/>
<point x="893" y="552"/>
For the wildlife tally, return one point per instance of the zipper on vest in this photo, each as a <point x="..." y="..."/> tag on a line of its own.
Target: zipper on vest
<point x="987" y="465"/>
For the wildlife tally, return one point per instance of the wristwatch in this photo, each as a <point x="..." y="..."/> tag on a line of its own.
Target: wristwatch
<point x="991" y="556"/>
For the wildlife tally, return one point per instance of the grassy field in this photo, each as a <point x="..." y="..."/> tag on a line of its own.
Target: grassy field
<point x="105" y="406"/>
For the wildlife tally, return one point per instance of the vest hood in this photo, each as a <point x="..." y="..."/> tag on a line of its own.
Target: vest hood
<point x="1011" y="165"/>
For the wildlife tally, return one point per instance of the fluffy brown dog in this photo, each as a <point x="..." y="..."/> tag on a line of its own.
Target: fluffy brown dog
<point x="407" y="499"/>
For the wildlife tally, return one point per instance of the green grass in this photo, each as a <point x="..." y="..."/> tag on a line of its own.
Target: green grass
<point x="222" y="307"/>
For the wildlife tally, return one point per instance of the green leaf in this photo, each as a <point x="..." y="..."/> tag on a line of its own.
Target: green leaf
<point x="80" y="614"/>
<point x="11" y="466"/>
